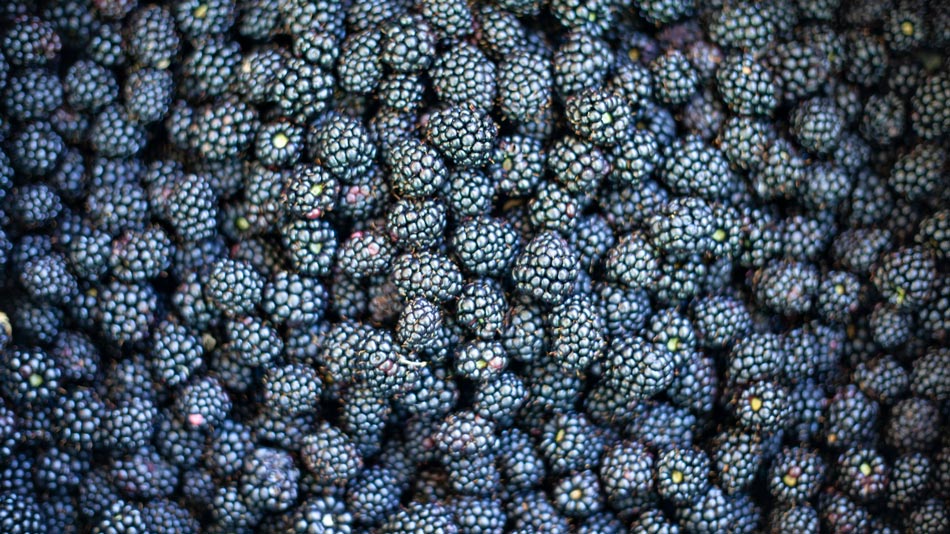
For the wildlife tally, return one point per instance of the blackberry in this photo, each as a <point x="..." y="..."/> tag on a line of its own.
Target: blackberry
<point x="849" y="418"/>
<point x="311" y="245"/>
<point x="408" y="44"/>
<point x="600" y="116"/>
<point x="882" y="378"/>
<point x="909" y="425"/>
<point x="761" y="406"/>
<point x="578" y="166"/>
<point x="426" y="274"/>
<point x="463" y="135"/>
<point x="359" y="67"/>
<point x="742" y="25"/>
<point x="928" y="377"/>
<point x="343" y="146"/>
<point x="518" y="165"/>
<point x="817" y="124"/>
<point x="278" y="144"/>
<point x="916" y="174"/>
<point x="661" y="12"/>
<point x="930" y="116"/>
<point x="221" y="129"/>
<point x="635" y="158"/>
<point x="694" y="168"/>
<point x="626" y="472"/>
<point x="463" y="74"/>
<point x="126" y="311"/>
<point x="580" y="62"/>
<point x="578" y="495"/>
<point x="203" y="402"/>
<point x="787" y="287"/>
<point x="501" y="398"/>
<point x="746" y="86"/>
<point x="176" y="353"/>
<point x="291" y="389"/>
<point x="546" y="269"/>
<point x="151" y="37"/>
<point x="199" y="18"/>
<point x="797" y="518"/>
<point x="31" y="41"/>
<point x="683" y="226"/>
<point x="416" y="170"/>
<point x="711" y="512"/>
<point x="570" y="442"/>
<point x="905" y="277"/>
<point x="234" y="287"/>
<point x="418" y="324"/>
<point x="269" y="480"/>
<point x="402" y="92"/>
<point x="868" y="58"/>
<point x="797" y="68"/>
<point x="674" y="78"/>
<point x="35" y="149"/>
<point x="638" y="368"/>
<point x="35" y="93"/>
<point x="796" y="475"/>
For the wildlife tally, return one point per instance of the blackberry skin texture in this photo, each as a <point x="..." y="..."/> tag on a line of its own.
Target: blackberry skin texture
<point x="408" y="44"/>
<point x="47" y="279"/>
<point x="175" y="354"/>
<point x="578" y="166"/>
<point x="570" y="442"/>
<point x="166" y="517"/>
<point x="909" y="479"/>
<point x="682" y="475"/>
<point x="599" y="116"/>
<point x="683" y="226"/>
<point x="578" y="495"/>
<point x="31" y="42"/>
<point x="365" y="254"/>
<point x="581" y="62"/>
<point x="36" y="149"/>
<point x="233" y="287"/>
<point x="660" y="12"/>
<point x="916" y="175"/>
<point x="416" y="224"/>
<point x="850" y="418"/>
<point x="593" y="17"/>
<point x="422" y="518"/>
<point x="524" y="86"/>
<point x="712" y="511"/>
<point x="197" y="19"/>
<point x="121" y="517"/>
<point x="861" y="473"/>
<point x="789" y="519"/>
<point x="148" y="95"/>
<point x="882" y="378"/>
<point x="797" y="68"/>
<point x="140" y="256"/>
<point x="930" y="115"/>
<point x="817" y="125"/>
<point x="637" y="368"/>
<point x="374" y="495"/>
<point x="310" y="192"/>
<point x="192" y="209"/>
<point x="481" y="308"/>
<point x="634" y="158"/>
<point x="693" y="168"/>
<point x="746" y="86"/>
<point x="478" y="515"/>
<point x="501" y="398"/>
<point x="756" y="357"/>
<point x="311" y="245"/>
<point x="743" y="26"/>
<point x="291" y="389"/>
<point x="125" y="311"/>
<point x="463" y="74"/>
<point x="520" y="464"/>
<point x="203" y="403"/>
<point x="210" y="70"/>
<point x="761" y="406"/>
<point x="576" y="333"/>
<point x="151" y="37"/>
<point x="30" y="377"/>
<point x="626" y="473"/>
<point x="929" y="377"/>
<point x="428" y="275"/>
<point x="418" y="324"/>
<point x="279" y="144"/>
<point x="463" y="135"/>
<point x="796" y="475"/>
<point x="219" y="130"/>
<point x="787" y="287"/>
<point x="546" y="269"/>
<point x="909" y="426"/>
<point x="294" y="300"/>
<point x="674" y="78"/>
<point x="359" y="67"/>
<point x="905" y="277"/>
<point x="330" y="456"/>
<point x="402" y="92"/>
<point x="269" y="480"/>
<point x="35" y="93"/>
<point x="416" y="170"/>
<point x="343" y="146"/>
<point x="929" y="516"/>
<point x="868" y="57"/>
<point x="518" y="165"/>
<point x="485" y="245"/>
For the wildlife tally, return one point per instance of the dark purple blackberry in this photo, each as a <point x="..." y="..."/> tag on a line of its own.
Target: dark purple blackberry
<point x="578" y="495"/>
<point x="627" y="473"/>
<point x="343" y="146"/>
<point x="126" y="311"/>
<point x="401" y="92"/>
<point x="635" y="157"/>
<point x="737" y="456"/>
<point x="817" y="124"/>
<point x="710" y="512"/>
<point x="570" y="442"/>
<point x="359" y="67"/>
<point x="485" y="246"/>
<point x="311" y="245"/>
<point x="463" y="74"/>
<point x="143" y="474"/>
<point x="466" y="434"/>
<point x="599" y="115"/>
<point x="222" y="129"/>
<point x="416" y="169"/>
<point x="463" y="135"/>
<point x="694" y="168"/>
<point x="30" y="377"/>
<point x="779" y="172"/>
<point x="480" y="360"/>
<point x="31" y="41"/>
<point x="674" y="78"/>
<point x="481" y="308"/>
<point x="212" y="69"/>
<point x="523" y="338"/>
<point x="683" y="225"/>
<point x="798" y="69"/>
<point x="279" y="144"/>
<point x="787" y="287"/>
<point x="929" y="377"/>
<point x="909" y="478"/>
<point x="421" y="518"/>
<point x="862" y="473"/>
<point x="909" y="425"/>
<point x="472" y="475"/>
<point x="795" y="518"/>
<point x="868" y="57"/>
<point x="175" y="354"/>
<point x="35" y="93"/>
<point x="930" y="116"/>
<point x="230" y="513"/>
<point x="796" y="475"/>
<point x="850" y="418"/>
<point x="121" y="516"/>
<point x="745" y="85"/>
<point x="682" y="474"/>
<point x="269" y="480"/>
<point x="742" y="25"/>
<point x="518" y="165"/>
<point x="203" y="402"/>
<point x="905" y="277"/>
<point x="581" y="62"/>
<point x="501" y="398"/>
<point x="426" y="274"/>
<point x="408" y="44"/>
<point x="576" y="333"/>
<point x="554" y="209"/>
<point x="234" y="287"/>
<point x="166" y="517"/>
<point x="35" y="149"/>
<point x="916" y="175"/>
<point x="524" y="86"/>
<point x="418" y="324"/>
<point x="148" y="94"/>
<point x="151" y="37"/>
<point x="140" y="255"/>
<point x="519" y="462"/>
<point x="637" y="367"/>
<point x="546" y="269"/>
<point x="322" y="510"/>
<point x="761" y="406"/>
<point x="200" y="18"/>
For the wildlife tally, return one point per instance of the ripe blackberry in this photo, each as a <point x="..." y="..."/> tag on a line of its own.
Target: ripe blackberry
<point x="693" y="168"/>
<point x="796" y="518"/>
<point x="418" y="324"/>
<point x="905" y="277"/>
<point x="817" y="124"/>
<point x="682" y="226"/>
<point x="31" y="41"/>
<point x="796" y="475"/>
<point x="710" y="512"/>
<point x="408" y="44"/>
<point x="674" y="78"/>
<point x="930" y="116"/>
<point x="343" y="147"/>
<point x="222" y="129"/>
<point x="546" y="269"/>
<point x="761" y="406"/>
<point x="742" y="25"/>
<point x="35" y="149"/>
<point x="909" y="425"/>
<point x="126" y="311"/>
<point x="661" y="12"/>
<point x="785" y="286"/>
<point x="868" y="58"/>
<point x="798" y="69"/>
<point x="151" y="37"/>
<point x="311" y="245"/>
<point x="635" y="157"/>
<point x="35" y="93"/>
<point x="745" y="85"/>
<point x="463" y="135"/>
<point x="578" y="166"/>
<point x="291" y="389"/>
<point x="578" y="495"/>
<point x="416" y="169"/>
<point x="598" y="115"/>
<point x="737" y="456"/>
<point x="426" y="274"/>
<point x="481" y="308"/>
<point x="463" y="74"/>
<point x="500" y="398"/>
<point x="234" y="287"/>
<point x="638" y="368"/>
<point x="279" y="144"/>
<point x="916" y="174"/>
<point x="581" y="62"/>
<point x="269" y="480"/>
<point x="570" y="442"/>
